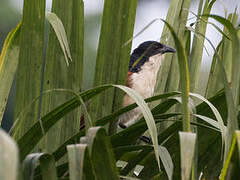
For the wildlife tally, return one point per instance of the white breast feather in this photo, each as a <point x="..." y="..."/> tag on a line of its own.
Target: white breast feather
<point x="144" y="83"/>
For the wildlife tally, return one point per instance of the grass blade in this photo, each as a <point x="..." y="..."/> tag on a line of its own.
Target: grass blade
<point x="80" y="165"/>
<point x="233" y="157"/>
<point x="184" y="78"/>
<point x="8" y="65"/>
<point x="187" y="147"/>
<point x="232" y="94"/>
<point x="70" y="30"/>
<point x="216" y="113"/>
<point x="197" y="47"/>
<point x="26" y="142"/>
<point x="28" y="75"/>
<point x="166" y="160"/>
<point x="48" y="169"/>
<point x="112" y="57"/>
<point x="173" y="19"/>
<point x="175" y="81"/>
<point x="59" y="30"/>
<point x="101" y="153"/>
<point x="47" y="165"/>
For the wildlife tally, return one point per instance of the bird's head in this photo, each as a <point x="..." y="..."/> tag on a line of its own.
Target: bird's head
<point x="144" y="51"/>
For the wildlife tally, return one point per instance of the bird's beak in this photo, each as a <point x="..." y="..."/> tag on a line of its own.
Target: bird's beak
<point x="167" y="49"/>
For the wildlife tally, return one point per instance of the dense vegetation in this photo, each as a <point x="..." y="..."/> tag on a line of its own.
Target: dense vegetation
<point x="193" y="136"/>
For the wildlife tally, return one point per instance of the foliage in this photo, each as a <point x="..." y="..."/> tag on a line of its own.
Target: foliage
<point x="207" y="149"/>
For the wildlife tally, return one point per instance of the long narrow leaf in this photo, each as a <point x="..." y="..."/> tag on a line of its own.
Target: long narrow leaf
<point x="187" y="145"/>
<point x="66" y="42"/>
<point x="47" y="164"/>
<point x="80" y="166"/>
<point x="8" y="66"/>
<point x="26" y="142"/>
<point x="28" y="76"/>
<point x="184" y="78"/>
<point x="112" y="57"/>
<point x="167" y="161"/>
<point x="58" y="27"/>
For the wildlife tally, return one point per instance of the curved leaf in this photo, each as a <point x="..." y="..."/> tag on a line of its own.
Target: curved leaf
<point x="58" y="27"/>
<point x="80" y="165"/>
<point x="166" y="160"/>
<point x="47" y="165"/>
<point x="29" y="140"/>
<point x="8" y="65"/>
<point x="101" y="153"/>
<point x="184" y="77"/>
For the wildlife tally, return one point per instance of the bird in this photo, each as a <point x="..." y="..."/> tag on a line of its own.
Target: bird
<point x="143" y="68"/>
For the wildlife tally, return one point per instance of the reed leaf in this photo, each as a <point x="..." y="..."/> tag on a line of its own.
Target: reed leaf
<point x="174" y="80"/>
<point x="47" y="165"/>
<point x="184" y="78"/>
<point x="112" y="57"/>
<point x="198" y="45"/>
<point x="172" y="19"/>
<point x="66" y="42"/>
<point x="232" y="94"/>
<point x="29" y="70"/>
<point x="233" y="157"/>
<point x="187" y="148"/>
<point x="8" y="65"/>
<point x="80" y="164"/>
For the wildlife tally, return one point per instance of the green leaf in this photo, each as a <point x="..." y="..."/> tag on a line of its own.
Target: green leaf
<point x="232" y="94"/>
<point x="166" y="160"/>
<point x="230" y="169"/>
<point x="112" y="57"/>
<point x="59" y="30"/>
<point x="129" y="178"/>
<point x="80" y="165"/>
<point x="198" y="45"/>
<point x="101" y="153"/>
<point x="8" y="157"/>
<point x="28" y="76"/>
<point x="135" y="160"/>
<point x="133" y="132"/>
<point x="111" y="117"/>
<point x="119" y="151"/>
<point x="66" y="40"/>
<point x="29" y="140"/>
<point x="187" y="148"/>
<point x="47" y="165"/>
<point x="8" y="65"/>
<point x="48" y="169"/>
<point x="173" y="18"/>
<point x="174" y="75"/>
<point x="211" y="122"/>
<point x="216" y="113"/>
<point x="184" y="77"/>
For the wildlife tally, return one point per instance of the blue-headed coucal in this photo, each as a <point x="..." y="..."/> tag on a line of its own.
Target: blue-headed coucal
<point x="144" y="64"/>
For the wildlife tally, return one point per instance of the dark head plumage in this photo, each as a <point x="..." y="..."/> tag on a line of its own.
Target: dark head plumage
<point x="144" y="51"/>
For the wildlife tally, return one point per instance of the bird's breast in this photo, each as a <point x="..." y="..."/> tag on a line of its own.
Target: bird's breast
<point x="144" y="81"/>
